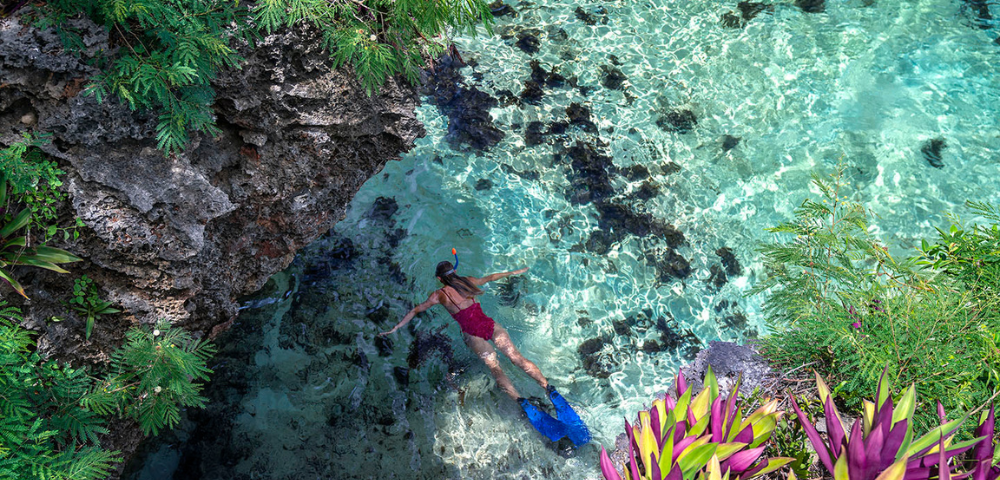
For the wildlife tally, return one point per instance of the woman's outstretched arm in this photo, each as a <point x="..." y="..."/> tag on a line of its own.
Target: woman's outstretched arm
<point x="431" y="300"/>
<point x="496" y="276"/>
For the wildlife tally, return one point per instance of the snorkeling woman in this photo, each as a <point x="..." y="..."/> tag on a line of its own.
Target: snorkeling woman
<point x="458" y="296"/>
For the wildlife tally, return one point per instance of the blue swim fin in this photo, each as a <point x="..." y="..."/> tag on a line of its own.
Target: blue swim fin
<point x="546" y="425"/>
<point x="576" y="430"/>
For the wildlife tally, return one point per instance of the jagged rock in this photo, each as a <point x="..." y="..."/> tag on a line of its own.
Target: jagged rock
<point x="932" y="150"/>
<point x="183" y="237"/>
<point x="729" y="361"/>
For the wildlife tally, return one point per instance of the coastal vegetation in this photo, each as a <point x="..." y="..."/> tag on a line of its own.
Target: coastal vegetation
<point x="52" y="414"/>
<point x="163" y="55"/>
<point x="842" y="304"/>
<point x="709" y="438"/>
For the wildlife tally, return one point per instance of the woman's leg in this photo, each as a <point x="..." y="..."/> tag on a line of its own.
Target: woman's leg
<point x="485" y="351"/>
<point x="502" y="339"/>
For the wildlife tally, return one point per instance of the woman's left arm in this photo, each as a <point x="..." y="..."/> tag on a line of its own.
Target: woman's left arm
<point x="497" y="276"/>
<point x="431" y="300"/>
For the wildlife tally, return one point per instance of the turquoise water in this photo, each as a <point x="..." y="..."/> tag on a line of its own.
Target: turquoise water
<point x="866" y="84"/>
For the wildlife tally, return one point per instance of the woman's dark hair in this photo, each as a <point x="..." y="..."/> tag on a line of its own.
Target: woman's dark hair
<point x="446" y="272"/>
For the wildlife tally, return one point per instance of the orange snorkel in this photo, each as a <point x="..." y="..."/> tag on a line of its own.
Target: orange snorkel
<point x="455" y="253"/>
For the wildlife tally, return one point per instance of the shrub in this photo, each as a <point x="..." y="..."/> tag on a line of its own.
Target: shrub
<point x="51" y="414"/>
<point x="839" y="299"/>
<point x="152" y="376"/>
<point x="88" y="302"/>
<point x="166" y="53"/>
<point x="27" y="183"/>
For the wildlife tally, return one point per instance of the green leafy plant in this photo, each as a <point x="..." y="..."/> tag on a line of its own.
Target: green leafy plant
<point x="968" y="253"/>
<point x="51" y="414"/>
<point x="87" y="301"/>
<point x="45" y="432"/>
<point x="166" y="52"/>
<point x="677" y="439"/>
<point x="14" y="247"/>
<point x="839" y="298"/>
<point x="152" y="376"/>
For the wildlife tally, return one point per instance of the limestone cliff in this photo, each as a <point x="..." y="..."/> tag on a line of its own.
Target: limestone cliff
<point x="182" y="237"/>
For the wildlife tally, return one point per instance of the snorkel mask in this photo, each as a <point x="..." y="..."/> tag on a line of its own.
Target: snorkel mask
<point x="455" y="268"/>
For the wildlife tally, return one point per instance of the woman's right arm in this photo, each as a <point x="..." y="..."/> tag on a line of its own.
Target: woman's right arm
<point x="496" y="276"/>
<point x="431" y="300"/>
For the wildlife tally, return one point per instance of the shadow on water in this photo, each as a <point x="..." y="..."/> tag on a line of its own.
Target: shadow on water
<point x="303" y="389"/>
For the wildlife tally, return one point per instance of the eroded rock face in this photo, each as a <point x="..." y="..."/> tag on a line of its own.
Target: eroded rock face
<point x="182" y="237"/>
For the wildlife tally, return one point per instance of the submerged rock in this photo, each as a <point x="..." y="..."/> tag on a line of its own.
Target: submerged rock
<point x="671" y="265"/>
<point x="982" y="10"/>
<point x="811" y="6"/>
<point x="678" y="121"/>
<point x="931" y="150"/>
<point x="532" y="93"/>
<point x="500" y="9"/>
<point x="717" y="276"/>
<point x="731" y="20"/>
<point x="483" y="184"/>
<point x="425" y="345"/>
<point x="587" y="17"/>
<point x="596" y="362"/>
<point x="729" y="261"/>
<point x="580" y="115"/>
<point x="467" y="108"/>
<point x="749" y="10"/>
<point x="677" y="339"/>
<point x="729" y="142"/>
<point x="613" y="78"/>
<point x="533" y="134"/>
<point x="528" y="42"/>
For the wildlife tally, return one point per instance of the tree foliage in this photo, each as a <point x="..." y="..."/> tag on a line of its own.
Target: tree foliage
<point x="51" y="414"/>
<point x="166" y="52"/>
<point x="840" y="302"/>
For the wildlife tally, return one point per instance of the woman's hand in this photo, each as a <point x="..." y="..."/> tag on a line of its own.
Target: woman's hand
<point x="386" y="333"/>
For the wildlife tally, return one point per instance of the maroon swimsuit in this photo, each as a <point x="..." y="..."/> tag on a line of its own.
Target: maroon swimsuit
<point x="472" y="320"/>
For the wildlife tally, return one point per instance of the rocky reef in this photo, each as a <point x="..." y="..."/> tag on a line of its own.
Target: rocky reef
<point x="182" y="237"/>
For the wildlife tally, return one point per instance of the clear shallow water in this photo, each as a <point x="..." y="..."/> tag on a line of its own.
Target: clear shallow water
<point x="862" y="84"/>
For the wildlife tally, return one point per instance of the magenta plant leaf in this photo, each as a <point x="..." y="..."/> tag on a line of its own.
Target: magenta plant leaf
<point x="633" y="468"/>
<point x="873" y="453"/>
<point x="608" y="468"/>
<point x="857" y="462"/>
<point x="681" y="384"/>
<point x="742" y="461"/>
<point x="893" y="441"/>
<point x="984" y="450"/>
<point x="654" y="421"/>
<point x="716" y="421"/>
<point x="821" y="449"/>
<point x="833" y="427"/>
<point x="655" y="466"/>
<point x="745" y="436"/>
